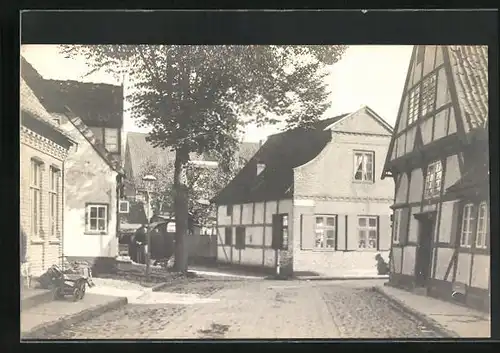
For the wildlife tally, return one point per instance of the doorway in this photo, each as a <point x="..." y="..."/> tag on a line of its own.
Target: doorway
<point x="426" y="222"/>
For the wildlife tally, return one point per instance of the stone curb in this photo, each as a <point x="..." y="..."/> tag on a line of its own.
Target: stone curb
<point x="431" y="323"/>
<point x="345" y="278"/>
<point x="65" y="322"/>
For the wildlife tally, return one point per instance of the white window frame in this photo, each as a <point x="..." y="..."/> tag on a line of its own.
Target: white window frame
<point x="433" y="179"/>
<point x="88" y="210"/>
<point x="321" y="230"/>
<point x="467" y="228"/>
<point x="363" y="155"/>
<point x="367" y="228"/>
<point x="36" y="183"/>
<point x="396" y="236"/>
<point x="54" y="209"/>
<point x="428" y="94"/>
<point x="106" y="131"/>
<point x="413" y="104"/>
<point x="482" y="226"/>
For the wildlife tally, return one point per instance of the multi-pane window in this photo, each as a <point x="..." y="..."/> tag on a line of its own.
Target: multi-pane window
<point x="36" y="197"/>
<point x="367" y="232"/>
<point x="413" y="102"/>
<point x="111" y="140"/>
<point x="280" y="232"/>
<point x="428" y="94"/>
<point x="228" y="236"/>
<point x="395" y="226"/>
<point x="54" y="202"/>
<point x="482" y="226"/>
<point x="468" y="224"/>
<point x="433" y="179"/>
<point x="363" y="166"/>
<point x="325" y="232"/>
<point x="97" y="218"/>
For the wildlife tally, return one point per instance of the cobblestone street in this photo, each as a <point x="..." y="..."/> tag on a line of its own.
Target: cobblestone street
<point x="259" y="309"/>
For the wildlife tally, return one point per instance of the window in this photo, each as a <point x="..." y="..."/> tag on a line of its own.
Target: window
<point x="395" y="226"/>
<point x="482" y="226"/>
<point x="433" y="179"/>
<point x="97" y="218"/>
<point x="413" y="102"/>
<point x="240" y="238"/>
<point x="54" y="202"/>
<point x="325" y="232"/>
<point x="420" y="53"/>
<point x="36" y="197"/>
<point x="363" y="166"/>
<point x="229" y="210"/>
<point x="111" y="140"/>
<point x="468" y="221"/>
<point x="368" y="232"/>
<point x="228" y="236"/>
<point x="428" y="94"/>
<point x="260" y="168"/>
<point x="280" y="232"/>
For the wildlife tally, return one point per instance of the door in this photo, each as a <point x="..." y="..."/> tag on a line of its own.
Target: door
<point x="423" y="261"/>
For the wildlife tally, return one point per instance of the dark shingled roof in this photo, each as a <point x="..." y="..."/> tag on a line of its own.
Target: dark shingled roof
<point x="95" y="103"/>
<point x="280" y="153"/>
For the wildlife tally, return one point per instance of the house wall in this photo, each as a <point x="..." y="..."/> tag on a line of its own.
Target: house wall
<point x="256" y="217"/>
<point x="326" y="186"/>
<point x="88" y="180"/>
<point x="45" y="251"/>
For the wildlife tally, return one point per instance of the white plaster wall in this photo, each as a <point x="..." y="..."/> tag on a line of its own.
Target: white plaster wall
<point x="444" y="256"/>
<point x="463" y="268"/>
<point x="481" y="271"/>
<point x="409" y="260"/>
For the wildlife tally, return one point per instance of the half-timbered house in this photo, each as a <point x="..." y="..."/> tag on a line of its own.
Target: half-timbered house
<point x="308" y="200"/>
<point x="438" y="157"/>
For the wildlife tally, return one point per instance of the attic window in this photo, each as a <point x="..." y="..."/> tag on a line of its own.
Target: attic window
<point x="260" y="168"/>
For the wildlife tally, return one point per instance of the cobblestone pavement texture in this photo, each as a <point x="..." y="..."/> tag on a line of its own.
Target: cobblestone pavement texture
<point x="259" y="309"/>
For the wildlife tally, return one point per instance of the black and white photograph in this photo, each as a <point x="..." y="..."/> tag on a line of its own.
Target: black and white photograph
<point x="234" y="191"/>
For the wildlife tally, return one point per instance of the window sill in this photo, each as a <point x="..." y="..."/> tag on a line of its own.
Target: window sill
<point x="37" y="241"/>
<point x="367" y="182"/>
<point x="95" y="233"/>
<point x="322" y="249"/>
<point x="368" y="250"/>
<point x="55" y="241"/>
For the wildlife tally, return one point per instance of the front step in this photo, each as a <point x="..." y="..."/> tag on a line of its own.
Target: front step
<point x="31" y="297"/>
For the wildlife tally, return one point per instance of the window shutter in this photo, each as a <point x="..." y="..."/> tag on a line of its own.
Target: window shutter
<point x="307" y="232"/>
<point x="384" y="232"/>
<point x="352" y="233"/>
<point x="403" y="225"/>
<point x="276" y="232"/>
<point x="456" y="221"/>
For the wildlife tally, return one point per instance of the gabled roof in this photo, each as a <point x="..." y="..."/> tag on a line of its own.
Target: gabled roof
<point x="469" y="66"/>
<point x="31" y="106"/>
<point x="57" y="105"/>
<point x="281" y="153"/>
<point x="139" y="151"/>
<point x="97" y="104"/>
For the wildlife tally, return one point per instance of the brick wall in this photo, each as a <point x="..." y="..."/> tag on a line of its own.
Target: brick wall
<point x="44" y="251"/>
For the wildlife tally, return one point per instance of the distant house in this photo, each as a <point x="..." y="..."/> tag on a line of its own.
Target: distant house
<point x="138" y="152"/>
<point x="92" y="176"/>
<point x="313" y="195"/>
<point x="44" y="148"/>
<point x="438" y="157"/>
<point x="98" y="105"/>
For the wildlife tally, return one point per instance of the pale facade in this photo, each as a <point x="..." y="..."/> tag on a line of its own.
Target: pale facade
<point x="333" y="215"/>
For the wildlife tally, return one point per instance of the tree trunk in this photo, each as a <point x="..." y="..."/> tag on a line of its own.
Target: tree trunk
<point x="181" y="213"/>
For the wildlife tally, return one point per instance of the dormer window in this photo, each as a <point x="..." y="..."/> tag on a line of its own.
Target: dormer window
<point x="260" y="168"/>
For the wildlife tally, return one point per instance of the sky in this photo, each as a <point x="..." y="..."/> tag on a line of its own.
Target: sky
<point x="371" y="75"/>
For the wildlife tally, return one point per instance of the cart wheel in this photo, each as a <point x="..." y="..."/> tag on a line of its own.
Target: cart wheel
<point x="82" y="291"/>
<point x="77" y="291"/>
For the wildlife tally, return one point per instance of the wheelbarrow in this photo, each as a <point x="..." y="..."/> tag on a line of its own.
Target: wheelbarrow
<point x="64" y="284"/>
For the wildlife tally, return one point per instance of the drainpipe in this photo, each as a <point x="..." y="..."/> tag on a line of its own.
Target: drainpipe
<point x="63" y="207"/>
